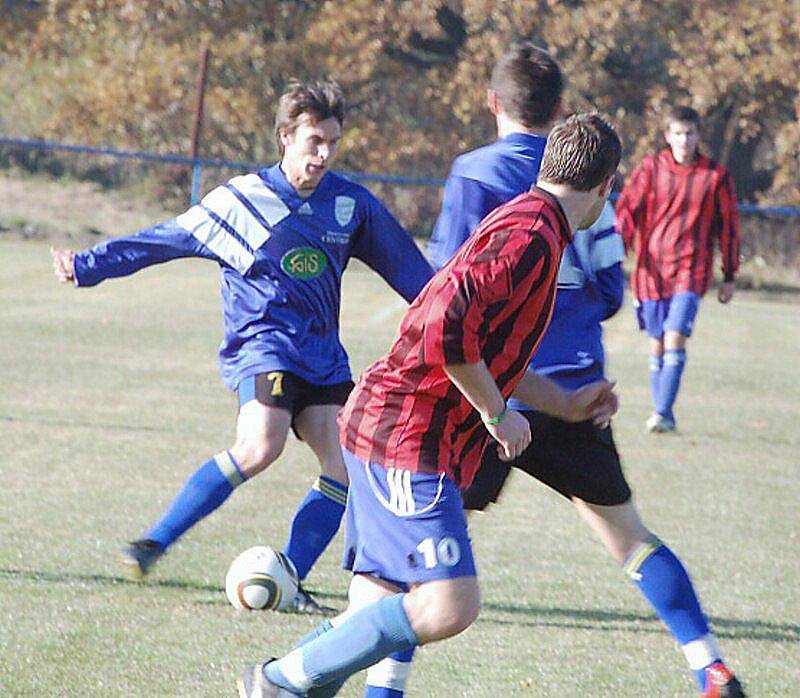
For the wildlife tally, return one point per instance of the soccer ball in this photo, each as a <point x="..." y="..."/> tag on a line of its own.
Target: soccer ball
<point x="261" y="578"/>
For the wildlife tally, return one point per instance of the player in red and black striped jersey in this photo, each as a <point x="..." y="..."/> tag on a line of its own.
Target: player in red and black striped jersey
<point x="675" y="207"/>
<point x="491" y="303"/>
<point x="418" y="421"/>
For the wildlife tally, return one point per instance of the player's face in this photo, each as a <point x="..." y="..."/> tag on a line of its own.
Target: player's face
<point x="309" y="152"/>
<point x="683" y="138"/>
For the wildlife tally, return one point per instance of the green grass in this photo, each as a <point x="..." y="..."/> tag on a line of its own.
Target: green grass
<point x="110" y="396"/>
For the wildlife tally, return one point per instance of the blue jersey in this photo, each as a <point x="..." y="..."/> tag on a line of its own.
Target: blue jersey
<point x="590" y="281"/>
<point x="479" y="182"/>
<point x="282" y="258"/>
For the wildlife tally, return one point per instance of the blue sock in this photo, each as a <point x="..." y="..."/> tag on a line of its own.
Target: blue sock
<point x="315" y="523"/>
<point x="674" y="363"/>
<point x="363" y="639"/>
<point x="664" y="582"/>
<point x="656" y="363"/>
<point x="209" y="486"/>
<point x="388" y="678"/>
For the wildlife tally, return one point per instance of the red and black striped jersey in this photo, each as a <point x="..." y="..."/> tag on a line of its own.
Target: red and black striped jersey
<point x="671" y="215"/>
<point x="492" y="301"/>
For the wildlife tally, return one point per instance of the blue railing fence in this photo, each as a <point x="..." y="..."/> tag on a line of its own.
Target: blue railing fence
<point x="197" y="165"/>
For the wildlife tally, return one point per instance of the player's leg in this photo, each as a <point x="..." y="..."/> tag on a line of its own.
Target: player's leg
<point x="319" y="515"/>
<point x="405" y="527"/>
<point x="431" y="611"/>
<point x="651" y="315"/>
<point x="678" y="326"/>
<point x="661" y="578"/>
<point x="656" y="366"/>
<point x="261" y="430"/>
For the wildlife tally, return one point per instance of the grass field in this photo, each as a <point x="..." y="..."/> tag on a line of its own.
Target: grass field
<point x="110" y="396"/>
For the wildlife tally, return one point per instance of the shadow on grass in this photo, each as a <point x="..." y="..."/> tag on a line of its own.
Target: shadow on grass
<point x="595" y="619"/>
<point x="111" y="580"/>
<point x="525" y="615"/>
<point x="43" y="421"/>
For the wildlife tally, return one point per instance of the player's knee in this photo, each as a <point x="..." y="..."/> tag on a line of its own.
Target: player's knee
<point x="453" y="618"/>
<point x="255" y="454"/>
<point x="444" y="615"/>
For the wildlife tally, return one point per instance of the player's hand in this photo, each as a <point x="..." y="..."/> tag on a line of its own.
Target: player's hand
<point x="63" y="265"/>
<point x="596" y="402"/>
<point x="725" y="291"/>
<point x="513" y="435"/>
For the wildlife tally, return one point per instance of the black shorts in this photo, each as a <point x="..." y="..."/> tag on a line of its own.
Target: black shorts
<point x="290" y="392"/>
<point x="575" y="459"/>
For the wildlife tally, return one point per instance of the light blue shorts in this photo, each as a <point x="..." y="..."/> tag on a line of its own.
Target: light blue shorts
<point x="404" y="527"/>
<point x="677" y="313"/>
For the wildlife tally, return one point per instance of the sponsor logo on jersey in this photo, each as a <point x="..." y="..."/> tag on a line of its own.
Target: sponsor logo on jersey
<point x="343" y="209"/>
<point x="333" y="238"/>
<point x="306" y="209"/>
<point x="304" y="262"/>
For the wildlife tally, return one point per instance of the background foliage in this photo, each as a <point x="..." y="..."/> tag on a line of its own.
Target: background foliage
<point x="123" y="72"/>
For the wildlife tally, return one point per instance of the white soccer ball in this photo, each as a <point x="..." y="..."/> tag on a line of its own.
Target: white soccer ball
<point x="261" y="578"/>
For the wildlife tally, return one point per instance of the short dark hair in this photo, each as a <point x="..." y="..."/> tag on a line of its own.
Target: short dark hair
<point x="581" y="152"/>
<point x="681" y="112"/>
<point x="319" y="100"/>
<point x="528" y="83"/>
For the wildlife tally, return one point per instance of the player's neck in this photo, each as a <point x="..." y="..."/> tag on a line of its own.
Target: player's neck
<point x="574" y="203"/>
<point x="506" y="126"/>
<point x="297" y="180"/>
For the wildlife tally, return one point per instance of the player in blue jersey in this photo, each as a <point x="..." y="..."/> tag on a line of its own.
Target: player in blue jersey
<point x="578" y="460"/>
<point x="282" y="237"/>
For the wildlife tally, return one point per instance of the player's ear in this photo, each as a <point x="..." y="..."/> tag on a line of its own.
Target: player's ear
<point x="492" y="101"/>
<point x="604" y="189"/>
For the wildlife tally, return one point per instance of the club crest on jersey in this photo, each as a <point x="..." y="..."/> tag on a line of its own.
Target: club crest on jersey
<point x="304" y="263"/>
<point x="343" y="209"/>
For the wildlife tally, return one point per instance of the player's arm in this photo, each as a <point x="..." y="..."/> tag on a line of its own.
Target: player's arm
<point x="594" y="402"/>
<point x="508" y="427"/>
<point x="727" y="228"/>
<point x="385" y="246"/>
<point x="466" y="202"/>
<point x="126" y="255"/>
<point x="631" y="205"/>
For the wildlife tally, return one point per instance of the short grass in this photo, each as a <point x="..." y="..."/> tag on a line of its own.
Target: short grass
<point x="110" y="396"/>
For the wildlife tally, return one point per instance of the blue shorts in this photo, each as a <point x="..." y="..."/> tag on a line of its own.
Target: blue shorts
<point x="676" y="313"/>
<point x="404" y="527"/>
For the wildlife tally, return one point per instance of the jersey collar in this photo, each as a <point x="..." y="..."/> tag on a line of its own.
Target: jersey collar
<point x="276" y="180"/>
<point x="564" y="231"/>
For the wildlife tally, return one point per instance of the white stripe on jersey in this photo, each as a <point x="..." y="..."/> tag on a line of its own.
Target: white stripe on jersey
<point x="197" y="221"/>
<point x="263" y="199"/>
<point x="224" y="204"/>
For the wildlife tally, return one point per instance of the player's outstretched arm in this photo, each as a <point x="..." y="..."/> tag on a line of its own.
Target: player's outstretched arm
<point x="596" y="401"/>
<point x="508" y="427"/>
<point x="63" y="265"/>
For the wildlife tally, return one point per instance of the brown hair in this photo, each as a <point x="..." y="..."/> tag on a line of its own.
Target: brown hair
<point x="318" y="100"/>
<point x="581" y="152"/>
<point x="681" y="112"/>
<point x="528" y="83"/>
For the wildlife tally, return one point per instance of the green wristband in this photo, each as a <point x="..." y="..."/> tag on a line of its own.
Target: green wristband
<point x="494" y="421"/>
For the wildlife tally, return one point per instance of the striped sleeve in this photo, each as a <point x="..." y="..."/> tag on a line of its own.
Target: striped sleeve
<point x="234" y="220"/>
<point x="631" y="204"/>
<point x="454" y="330"/>
<point x="726" y="223"/>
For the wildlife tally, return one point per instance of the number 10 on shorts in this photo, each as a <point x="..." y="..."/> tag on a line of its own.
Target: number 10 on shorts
<point x="447" y="552"/>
